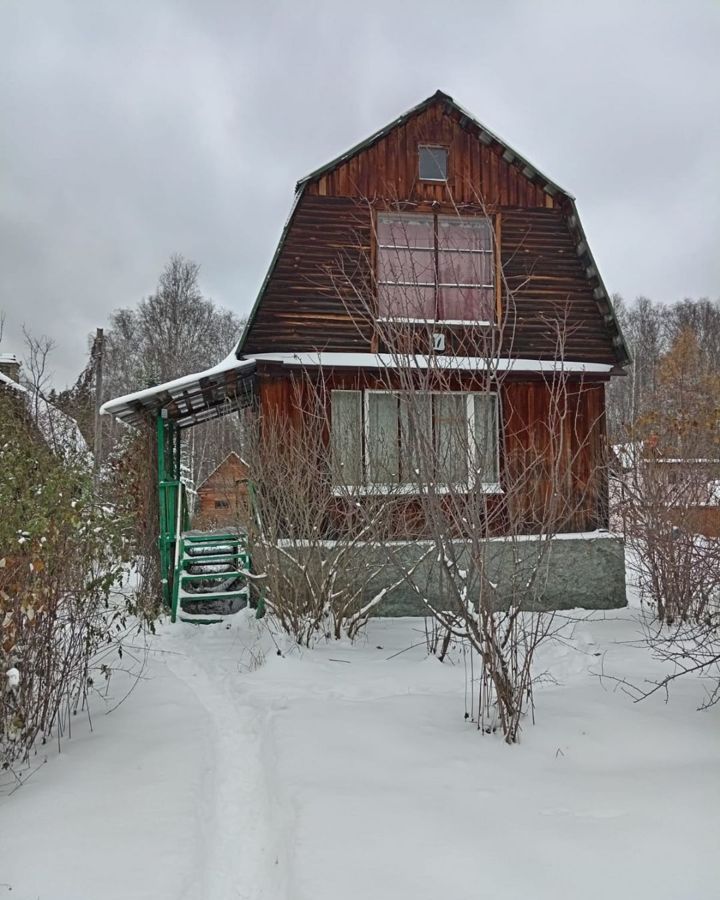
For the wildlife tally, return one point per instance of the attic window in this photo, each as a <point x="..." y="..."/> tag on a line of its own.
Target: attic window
<point x="433" y="163"/>
<point x="435" y="268"/>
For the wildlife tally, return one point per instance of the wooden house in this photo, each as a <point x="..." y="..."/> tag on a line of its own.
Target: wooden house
<point x="431" y="244"/>
<point x="682" y="491"/>
<point x="222" y="498"/>
<point x="435" y="223"/>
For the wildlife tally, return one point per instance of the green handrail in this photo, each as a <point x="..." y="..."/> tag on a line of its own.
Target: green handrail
<point x="172" y="502"/>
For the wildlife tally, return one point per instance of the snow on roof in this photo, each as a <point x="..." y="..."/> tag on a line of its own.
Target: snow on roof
<point x="511" y="155"/>
<point x="460" y="363"/>
<point x="200" y="396"/>
<point x="59" y="430"/>
<point x="196" y="397"/>
<point x="9" y="382"/>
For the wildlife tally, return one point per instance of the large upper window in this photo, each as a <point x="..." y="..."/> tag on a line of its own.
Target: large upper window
<point x="435" y="268"/>
<point x="386" y="440"/>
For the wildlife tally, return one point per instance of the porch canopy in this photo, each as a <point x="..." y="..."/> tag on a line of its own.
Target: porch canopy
<point x="218" y="391"/>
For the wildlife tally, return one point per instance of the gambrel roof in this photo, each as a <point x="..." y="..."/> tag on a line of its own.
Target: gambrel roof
<point x="540" y="182"/>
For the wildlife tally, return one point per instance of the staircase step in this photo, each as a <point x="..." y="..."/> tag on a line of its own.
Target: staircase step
<point x="224" y="595"/>
<point x="203" y="576"/>
<point x="211" y="559"/>
<point x="200" y="618"/>
<point x="207" y="538"/>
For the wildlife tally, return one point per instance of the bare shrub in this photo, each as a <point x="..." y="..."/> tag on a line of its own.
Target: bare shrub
<point x="663" y="507"/>
<point x="309" y="548"/>
<point x="61" y="559"/>
<point x="668" y="477"/>
<point x="491" y="527"/>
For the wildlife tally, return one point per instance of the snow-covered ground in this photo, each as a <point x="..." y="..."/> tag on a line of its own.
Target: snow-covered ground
<point x="349" y="772"/>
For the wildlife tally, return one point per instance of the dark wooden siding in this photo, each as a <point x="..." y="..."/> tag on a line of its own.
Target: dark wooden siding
<point x="308" y="303"/>
<point x="548" y="293"/>
<point x="286" y="396"/>
<point x="311" y="301"/>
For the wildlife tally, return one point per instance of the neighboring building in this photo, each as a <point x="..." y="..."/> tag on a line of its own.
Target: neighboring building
<point x="59" y="431"/>
<point x="683" y="491"/>
<point x="222" y="499"/>
<point x="10" y="366"/>
<point x="436" y="228"/>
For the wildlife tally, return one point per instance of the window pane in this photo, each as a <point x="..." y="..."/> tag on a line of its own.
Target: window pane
<point x="405" y="231"/>
<point x="346" y="437"/>
<point x="382" y="438"/>
<point x="466" y="304"/>
<point x="465" y="268"/>
<point x="411" y="266"/>
<point x="415" y="436"/>
<point x="464" y="234"/>
<point x="433" y="163"/>
<point x="408" y="301"/>
<point x="451" y="438"/>
<point x="486" y="437"/>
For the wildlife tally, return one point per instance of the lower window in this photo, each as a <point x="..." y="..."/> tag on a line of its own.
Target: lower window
<point x="383" y="440"/>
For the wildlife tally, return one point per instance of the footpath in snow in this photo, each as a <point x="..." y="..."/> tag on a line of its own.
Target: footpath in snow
<point x="349" y="772"/>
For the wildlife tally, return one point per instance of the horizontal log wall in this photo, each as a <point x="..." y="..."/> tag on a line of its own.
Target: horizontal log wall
<point x="310" y="302"/>
<point x="320" y="292"/>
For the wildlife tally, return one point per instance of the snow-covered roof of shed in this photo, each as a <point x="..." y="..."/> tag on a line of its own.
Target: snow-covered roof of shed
<point x="232" y="454"/>
<point x="59" y="430"/>
<point x="9" y="382"/>
<point x="192" y="398"/>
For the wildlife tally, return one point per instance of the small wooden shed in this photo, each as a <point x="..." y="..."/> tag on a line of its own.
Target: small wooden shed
<point x="223" y="496"/>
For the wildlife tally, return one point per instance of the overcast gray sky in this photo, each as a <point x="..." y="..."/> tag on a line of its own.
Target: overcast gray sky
<point x="132" y="130"/>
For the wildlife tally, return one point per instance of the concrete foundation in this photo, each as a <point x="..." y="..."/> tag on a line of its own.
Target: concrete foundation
<point x="584" y="571"/>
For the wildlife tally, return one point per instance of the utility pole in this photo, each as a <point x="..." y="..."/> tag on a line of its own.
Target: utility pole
<point x="98" y="353"/>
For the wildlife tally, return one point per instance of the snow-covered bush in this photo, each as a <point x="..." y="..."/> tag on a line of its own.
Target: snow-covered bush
<point x="61" y="557"/>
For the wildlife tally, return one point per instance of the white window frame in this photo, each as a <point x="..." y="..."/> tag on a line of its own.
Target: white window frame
<point x="409" y="320"/>
<point x="409" y="488"/>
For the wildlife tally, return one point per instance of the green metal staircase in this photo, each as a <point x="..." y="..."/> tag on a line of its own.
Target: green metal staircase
<point x="199" y="571"/>
<point x="213" y="568"/>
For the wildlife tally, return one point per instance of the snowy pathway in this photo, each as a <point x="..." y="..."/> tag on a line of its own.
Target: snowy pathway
<point x="233" y="817"/>
<point x="350" y="772"/>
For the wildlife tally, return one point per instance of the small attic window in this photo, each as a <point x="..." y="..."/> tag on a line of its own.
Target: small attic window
<point x="433" y="163"/>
